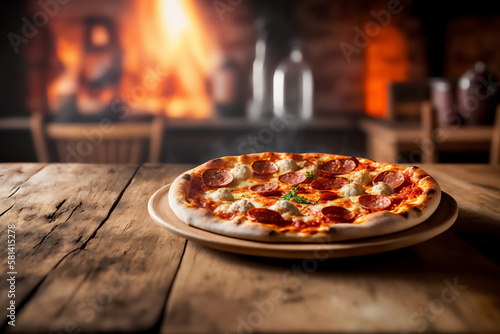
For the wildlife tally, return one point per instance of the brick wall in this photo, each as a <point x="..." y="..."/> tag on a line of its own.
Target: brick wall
<point x="330" y="35"/>
<point x="470" y="39"/>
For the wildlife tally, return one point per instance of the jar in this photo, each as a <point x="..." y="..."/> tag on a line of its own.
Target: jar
<point x="477" y="95"/>
<point x="227" y="89"/>
<point x="442" y="96"/>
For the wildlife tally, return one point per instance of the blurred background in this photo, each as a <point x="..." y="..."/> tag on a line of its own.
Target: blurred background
<point x="385" y="79"/>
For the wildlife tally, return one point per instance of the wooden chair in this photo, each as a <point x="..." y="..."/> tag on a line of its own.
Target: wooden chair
<point x="429" y="141"/>
<point x="96" y="142"/>
<point x="411" y="129"/>
<point x="457" y="139"/>
<point x="495" y="141"/>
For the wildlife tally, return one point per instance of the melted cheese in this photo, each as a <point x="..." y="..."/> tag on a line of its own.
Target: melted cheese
<point x="382" y="188"/>
<point x="222" y="194"/>
<point x="241" y="172"/>
<point x="286" y="208"/>
<point x="351" y="190"/>
<point x="241" y="207"/>
<point x="362" y="177"/>
<point x="287" y="166"/>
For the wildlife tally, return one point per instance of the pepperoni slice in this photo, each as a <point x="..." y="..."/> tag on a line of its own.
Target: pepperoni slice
<point x="337" y="213"/>
<point x="329" y="184"/>
<point x="292" y="178"/>
<point x="215" y="163"/>
<point x="226" y="215"/>
<point x="265" y="189"/>
<point x="264" y="167"/>
<point x="339" y="166"/>
<point x="217" y="177"/>
<point x="393" y="178"/>
<point x="375" y="202"/>
<point x="328" y="195"/>
<point x="265" y="216"/>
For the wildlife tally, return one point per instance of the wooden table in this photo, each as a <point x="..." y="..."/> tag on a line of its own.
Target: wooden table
<point x="90" y="259"/>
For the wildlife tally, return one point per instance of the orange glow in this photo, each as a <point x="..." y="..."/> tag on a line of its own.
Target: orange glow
<point x="99" y="35"/>
<point x="164" y="55"/>
<point x="170" y="49"/>
<point x="386" y="61"/>
<point x="69" y="55"/>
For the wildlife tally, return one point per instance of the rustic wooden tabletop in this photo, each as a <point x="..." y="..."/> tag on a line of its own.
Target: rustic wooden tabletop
<point x="87" y="257"/>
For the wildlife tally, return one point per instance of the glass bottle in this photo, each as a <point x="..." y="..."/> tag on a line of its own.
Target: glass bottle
<point x="261" y="104"/>
<point x="293" y="87"/>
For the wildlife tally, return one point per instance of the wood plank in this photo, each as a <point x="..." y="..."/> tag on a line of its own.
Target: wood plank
<point x="123" y="151"/>
<point x="38" y="137"/>
<point x="495" y="140"/>
<point x="476" y="188"/>
<point x="12" y="178"/>
<point x="120" y="280"/>
<point x="14" y="175"/>
<point x="440" y="285"/>
<point x="112" y="146"/>
<point x="62" y="147"/>
<point x="81" y="131"/>
<point x="55" y="212"/>
<point x="429" y="124"/>
<point x="135" y="151"/>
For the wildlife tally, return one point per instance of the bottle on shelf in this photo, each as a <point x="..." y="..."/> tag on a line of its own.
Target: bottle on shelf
<point x="261" y="103"/>
<point x="293" y="87"/>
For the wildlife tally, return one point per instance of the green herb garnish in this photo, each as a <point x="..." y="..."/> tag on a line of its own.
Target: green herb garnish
<point x="299" y="199"/>
<point x="311" y="175"/>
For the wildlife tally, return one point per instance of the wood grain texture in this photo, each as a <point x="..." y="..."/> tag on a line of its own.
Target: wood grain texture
<point x="429" y="125"/>
<point x="92" y="260"/>
<point x="221" y="292"/>
<point x="12" y="177"/>
<point x="476" y="188"/>
<point x="55" y="212"/>
<point x="120" y="279"/>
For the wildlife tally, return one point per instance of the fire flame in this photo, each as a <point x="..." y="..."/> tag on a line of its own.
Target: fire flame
<point x="69" y="56"/>
<point x="164" y="63"/>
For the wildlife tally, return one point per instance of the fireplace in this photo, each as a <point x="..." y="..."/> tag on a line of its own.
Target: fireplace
<point x="145" y="56"/>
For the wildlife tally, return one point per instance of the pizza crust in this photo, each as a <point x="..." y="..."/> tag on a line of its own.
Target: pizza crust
<point x="370" y="225"/>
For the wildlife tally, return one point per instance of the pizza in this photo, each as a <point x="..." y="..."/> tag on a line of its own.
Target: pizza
<point x="309" y="197"/>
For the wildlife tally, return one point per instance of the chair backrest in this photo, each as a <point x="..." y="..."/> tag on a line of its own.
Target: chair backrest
<point x="495" y="141"/>
<point x="465" y="138"/>
<point x="404" y="100"/>
<point x="96" y="142"/>
<point x="429" y="124"/>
